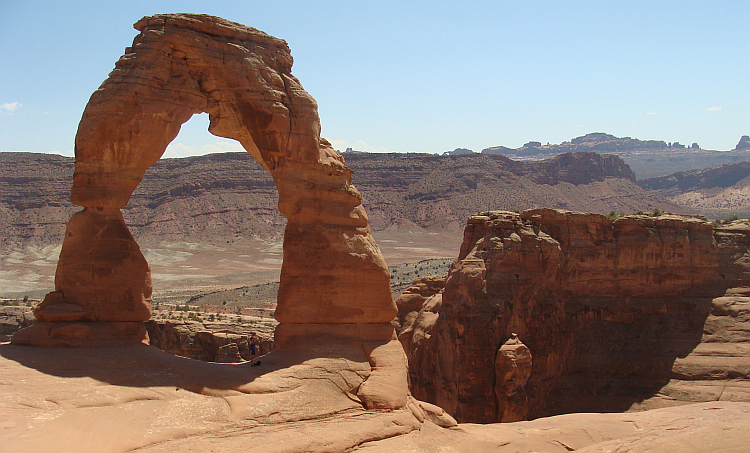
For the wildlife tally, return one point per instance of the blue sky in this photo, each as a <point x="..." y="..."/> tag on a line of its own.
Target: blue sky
<point x="410" y="76"/>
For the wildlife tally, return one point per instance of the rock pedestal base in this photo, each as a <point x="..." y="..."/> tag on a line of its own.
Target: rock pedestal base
<point x="386" y="387"/>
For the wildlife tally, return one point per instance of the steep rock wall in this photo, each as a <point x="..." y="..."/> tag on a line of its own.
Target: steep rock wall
<point x="605" y="309"/>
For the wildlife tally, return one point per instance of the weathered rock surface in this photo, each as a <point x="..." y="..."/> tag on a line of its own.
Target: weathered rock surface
<point x="126" y="398"/>
<point x="101" y="274"/>
<point x="201" y="341"/>
<point x="512" y="371"/>
<point x="718" y="426"/>
<point x="137" y="398"/>
<point x="640" y="310"/>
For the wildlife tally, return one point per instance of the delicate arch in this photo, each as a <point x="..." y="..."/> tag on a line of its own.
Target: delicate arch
<point x="179" y="65"/>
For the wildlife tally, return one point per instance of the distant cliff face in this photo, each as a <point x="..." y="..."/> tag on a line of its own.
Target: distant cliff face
<point x="744" y="143"/>
<point x="606" y="314"/>
<point x="222" y="196"/>
<point x="431" y="191"/>
<point x="719" y="192"/>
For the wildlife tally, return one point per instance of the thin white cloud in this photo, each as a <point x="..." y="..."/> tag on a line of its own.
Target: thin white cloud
<point x="360" y="145"/>
<point x="342" y="145"/>
<point x="176" y="150"/>
<point x="339" y="145"/>
<point x="713" y="109"/>
<point x="10" y="107"/>
<point x="651" y="113"/>
<point x="179" y="150"/>
<point x="222" y="146"/>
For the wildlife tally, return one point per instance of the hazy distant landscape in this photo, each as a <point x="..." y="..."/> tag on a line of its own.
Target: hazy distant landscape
<point x="210" y="223"/>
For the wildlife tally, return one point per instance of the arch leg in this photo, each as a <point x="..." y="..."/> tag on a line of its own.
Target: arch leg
<point x="102" y="287"/>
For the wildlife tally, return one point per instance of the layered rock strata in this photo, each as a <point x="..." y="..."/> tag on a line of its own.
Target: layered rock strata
<point x="334" y="291"/>
<point x="612" y="312"/>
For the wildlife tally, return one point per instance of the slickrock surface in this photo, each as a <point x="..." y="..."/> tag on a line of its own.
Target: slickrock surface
<point x="637" y="313"/>
<point x="137" y="398"/>
<point x="695" y="428"/>
<point x="127" y="398"/>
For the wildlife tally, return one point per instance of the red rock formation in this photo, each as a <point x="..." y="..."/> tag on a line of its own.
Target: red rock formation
<point x="334" y="282"/>
<point x="604" y="307"/>
<point x="512" y="372"/>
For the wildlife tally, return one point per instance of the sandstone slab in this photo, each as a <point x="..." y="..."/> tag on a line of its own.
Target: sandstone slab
<point x="126" y="398"/>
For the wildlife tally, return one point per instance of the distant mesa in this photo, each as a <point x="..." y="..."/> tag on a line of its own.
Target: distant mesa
<point x="707" y="178"/>
<point x="719" y="192"/>
<point x="647" y="158"/>
<point x="595" y="137"/>
<point x="458" y="151"/>
<point x="498" y="150"/>
<point x="596" y="141"/>
<point x="744" y="143"/>
<point x="230" y="195"/>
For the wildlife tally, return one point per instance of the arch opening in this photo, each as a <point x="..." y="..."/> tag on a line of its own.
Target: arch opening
<point x="233" y="237"/>
<point x="194" y="139"/>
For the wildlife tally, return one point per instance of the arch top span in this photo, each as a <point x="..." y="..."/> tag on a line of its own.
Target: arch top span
<point x="180" y="65"/>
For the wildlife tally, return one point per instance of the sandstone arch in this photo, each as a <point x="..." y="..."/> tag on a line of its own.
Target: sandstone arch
<point x="179" y="65"/>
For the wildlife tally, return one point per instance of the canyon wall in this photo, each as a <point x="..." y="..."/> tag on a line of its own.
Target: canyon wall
<point x="611" y="315"/>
